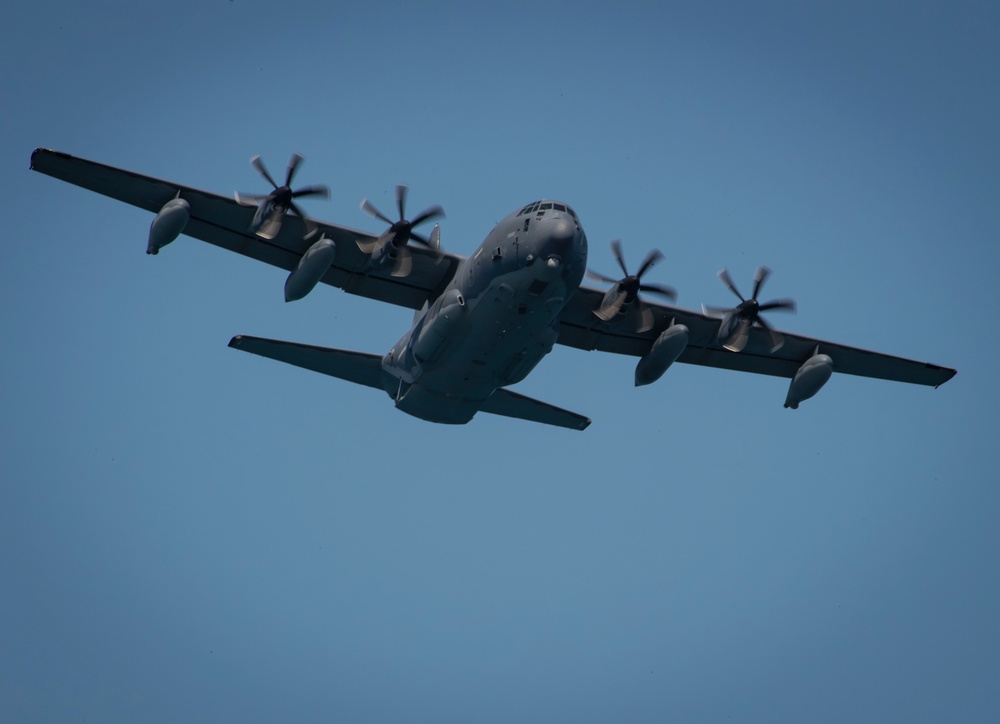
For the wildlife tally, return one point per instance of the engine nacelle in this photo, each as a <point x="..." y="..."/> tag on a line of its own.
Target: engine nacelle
<point x="310" y="269"/>
<point x="168" y="224"/>
<point x="664" y="352"/>
<point x="808" y="380"/>
<point x="435" y="333"/>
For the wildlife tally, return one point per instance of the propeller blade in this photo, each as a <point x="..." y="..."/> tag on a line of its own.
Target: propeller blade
<point x="626" y="290"/>
<point x="367" y="246"/>
<point x="748" y="313"/>
<point x="432" y="213"/>
<point x="616" y="249"/>
<point x="400" y="232"/>
<point x="320" y="190"/>
<point x="387" y="239"/>
<point x="310" y="226"/>
<point x="779" y="304"/>
<point x="433" y="242"/>
<point x="610" y="309"/>
<point x="270" y="228"/>
<point x="654" y="256"/>
<point x="281" y="198"/>
<point x="258" y="164"/>
<point x="293" y="166"/>
<point x="664" y="291"/>
<point x="758" y="279"/>
<point x="724" y="276"/>
<point x="645" y="316"/>
<point x="600" y="277"/>
<point x="715" y="311"/>
<point x="776" y="339"/>
<point x="248" y="199"/>
<point x="738" y="340"/>
<point x="369" y="209"/>
<point x="401" y="191"/>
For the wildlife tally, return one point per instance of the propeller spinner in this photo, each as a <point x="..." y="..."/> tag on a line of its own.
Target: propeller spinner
<point x="391" y="245"/>
<point x="271" y="208"/>
<point x="734" y="331"/>
<point x="626" y="290"/>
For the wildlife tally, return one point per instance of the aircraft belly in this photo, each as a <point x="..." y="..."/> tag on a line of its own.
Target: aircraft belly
<point x="506" y="331"/>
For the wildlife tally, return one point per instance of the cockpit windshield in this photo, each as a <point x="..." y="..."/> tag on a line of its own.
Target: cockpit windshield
<point x="542" y="206"/>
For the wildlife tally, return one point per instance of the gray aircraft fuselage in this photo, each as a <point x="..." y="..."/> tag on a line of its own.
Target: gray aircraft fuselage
<point x="495" y="320"/>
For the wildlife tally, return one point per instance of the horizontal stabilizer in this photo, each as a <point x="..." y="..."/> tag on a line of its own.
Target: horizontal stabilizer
<point x="366" y="369"/>
<point x="510" y="404"/>
<point x="359" y="367"/>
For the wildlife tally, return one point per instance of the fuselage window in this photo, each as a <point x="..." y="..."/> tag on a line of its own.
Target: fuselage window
<point x="559" y="207"/>
<point x="546" y="206"/>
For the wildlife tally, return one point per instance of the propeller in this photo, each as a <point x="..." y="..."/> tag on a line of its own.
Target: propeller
<point x="400" y="232"/>
<point x="626" y="290"/>
<point x="747" y="313"/>
<point x="272" y="207"/>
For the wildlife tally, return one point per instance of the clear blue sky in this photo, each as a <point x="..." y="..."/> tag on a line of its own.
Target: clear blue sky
<point x="188" y="533"/>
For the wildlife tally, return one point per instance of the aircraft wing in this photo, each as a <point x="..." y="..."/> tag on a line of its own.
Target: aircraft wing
<point x="578" y="327"/>
<point x="221" y="221"/>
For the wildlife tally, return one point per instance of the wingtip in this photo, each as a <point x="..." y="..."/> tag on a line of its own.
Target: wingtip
<point x="951" y="374"/>
<point x="38" y="155"/>
<point x="34" y="155"/>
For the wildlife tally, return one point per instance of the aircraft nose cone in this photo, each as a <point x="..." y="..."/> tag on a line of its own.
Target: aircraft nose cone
<point x="561" y="238"/>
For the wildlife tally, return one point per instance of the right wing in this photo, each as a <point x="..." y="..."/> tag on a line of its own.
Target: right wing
<point x="221" y="221"/>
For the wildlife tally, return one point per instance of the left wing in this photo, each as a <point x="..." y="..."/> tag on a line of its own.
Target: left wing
<point x="579" y="327"/>
<point x="221" y="221"/>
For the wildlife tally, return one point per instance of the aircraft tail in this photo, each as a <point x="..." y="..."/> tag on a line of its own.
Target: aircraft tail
<point x="366" y="369"/>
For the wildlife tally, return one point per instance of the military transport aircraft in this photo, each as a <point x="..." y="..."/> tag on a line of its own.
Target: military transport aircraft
<point x="481" y="322"/>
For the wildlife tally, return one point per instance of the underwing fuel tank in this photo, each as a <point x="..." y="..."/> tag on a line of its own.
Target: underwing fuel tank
<point x="311" y="268"/>
<point x="809" y="378"/>
<point x="664" y="352"/>
<point x="168" y="224"/>
<point x="436" y="332"/>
